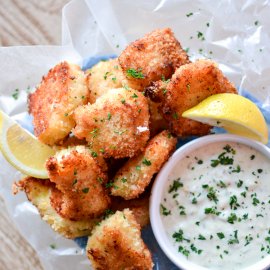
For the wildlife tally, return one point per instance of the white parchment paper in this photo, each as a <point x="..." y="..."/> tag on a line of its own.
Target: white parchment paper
<point x="233" y="33"/>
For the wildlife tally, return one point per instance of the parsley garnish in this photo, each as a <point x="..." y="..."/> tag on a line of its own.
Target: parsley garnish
<point x="211" y="210"/>
<point x="111" y="184"/>
<point x="106" y="75"/>
<point x="201" y="237"/>
<point x="108" y="213"/>
<point x="85" y="190"/>
<point x="182" y="210"/>
<point x="200" y="35"/>
<point x="237" y="170"/>
<point x="179" y="236"/>
<point x="137" y="74"/>
<point x="124" y="180"/>
<point x="94" y="132"/>
<point x="248" y="239"/>
<point x="15" y="95"/>
<point x="234" y="240"/>
<point x="221" y="184"/>
<point x="176" y="184"/>
<point x="212" y="196"/>
<point x="233" y="202"/>
<point x="194" y="249"/>
<point x="146" y="162"/>
<point x="164" y="210"/>
<point x="52" y="246"/>
<point x="220" y="235"/>
<point x="75" y="181"/>
<point x="194" y="201"/>
<point x="184" y="251"/>
<point x="232" y="218"/>
<point x="239" y="183"/>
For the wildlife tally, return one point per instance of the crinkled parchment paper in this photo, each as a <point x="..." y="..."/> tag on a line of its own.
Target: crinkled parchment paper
<point x="233" y="33"/>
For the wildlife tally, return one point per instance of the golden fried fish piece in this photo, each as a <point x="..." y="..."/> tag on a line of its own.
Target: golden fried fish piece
<point x="103" y="77"/>
<point x="155" y="56"/>
<point x="116" y="125"/>
<point x="80" y="182"/>
<point x="117" y="244"/>
<point x="157" y="122"/>
<point x="139" y="207"/>
<point x="61" y="91"/>
<point x="132" y="179"/>
<point x="38" y="192"/>
<point x="191" y="84"/>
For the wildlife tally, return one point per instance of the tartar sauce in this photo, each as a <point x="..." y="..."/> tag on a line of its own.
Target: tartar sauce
<point x="216" y="206"/>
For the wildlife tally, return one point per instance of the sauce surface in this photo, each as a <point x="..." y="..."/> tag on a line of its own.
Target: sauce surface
<point x="215" y="207"/>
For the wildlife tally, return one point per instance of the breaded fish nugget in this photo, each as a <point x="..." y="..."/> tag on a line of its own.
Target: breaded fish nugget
<point x="157" y="122"/>
<point x="139" y="207"/>
<point x="61" y="91"/>
<point x="103" y="77"/>
<point x="38" y="192"/>
<point x="80" y="180"/>
<point x="189" y="85"/>
<point x="151" y="58"/>
<point x="117" y="124"/>
<point x="117" y="244"/>
<point x="132" y="179"/>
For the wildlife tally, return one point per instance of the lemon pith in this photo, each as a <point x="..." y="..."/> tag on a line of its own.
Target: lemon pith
<point x="22" y="149"/>
<point x="236" y="114"/>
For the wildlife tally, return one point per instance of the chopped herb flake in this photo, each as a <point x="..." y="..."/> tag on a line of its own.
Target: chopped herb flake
<point x="137" y="74"/>
<point x="164" y="210"/>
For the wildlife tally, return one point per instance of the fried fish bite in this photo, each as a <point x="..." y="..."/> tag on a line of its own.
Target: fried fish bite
<point x="157" y="122"/>
<point x="38" y="192"/>
<point x="132" y="179"/>
<point x="155" y="56"/>
<point x="117" y="124"/>
<point x="80" y="182"/>
<point x="61" y="91"/>
<point x="103" y="77"/>
<point x="117" y="244"/>
<point x="139" y="207"/>
<point x="189" y="85"/>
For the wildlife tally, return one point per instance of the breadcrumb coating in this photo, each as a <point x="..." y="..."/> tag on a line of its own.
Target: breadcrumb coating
<point x="38" y="192"/>
<point x="191" y="84"/>
<point x="117" y="244"/>
<point x="132" y="179"/>
<point x="139" y="207"/>
<point x="80" y="182"/>
<point x="157" y="122"/>
<point x="61" y="91"/>
<point x="103" y="77"/>
<point x="116" y="125"/>
<point x="155" y="56"/>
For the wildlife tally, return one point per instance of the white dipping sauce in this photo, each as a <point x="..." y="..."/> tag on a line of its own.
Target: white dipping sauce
<point x="216" y="206"/>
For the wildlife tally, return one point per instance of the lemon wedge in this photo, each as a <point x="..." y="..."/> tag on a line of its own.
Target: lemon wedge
<point x="22" y="150"/>
<point x="236" y="114"/>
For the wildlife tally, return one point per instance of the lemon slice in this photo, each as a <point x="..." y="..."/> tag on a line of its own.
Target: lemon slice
<point x="234" y="113"/>
<point x="22" y="149"/>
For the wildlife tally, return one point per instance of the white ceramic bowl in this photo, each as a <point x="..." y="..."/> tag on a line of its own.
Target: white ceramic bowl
<point x="159" y="187"/>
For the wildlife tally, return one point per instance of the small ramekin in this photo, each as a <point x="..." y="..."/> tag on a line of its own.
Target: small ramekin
<point x="159" y="187"/>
